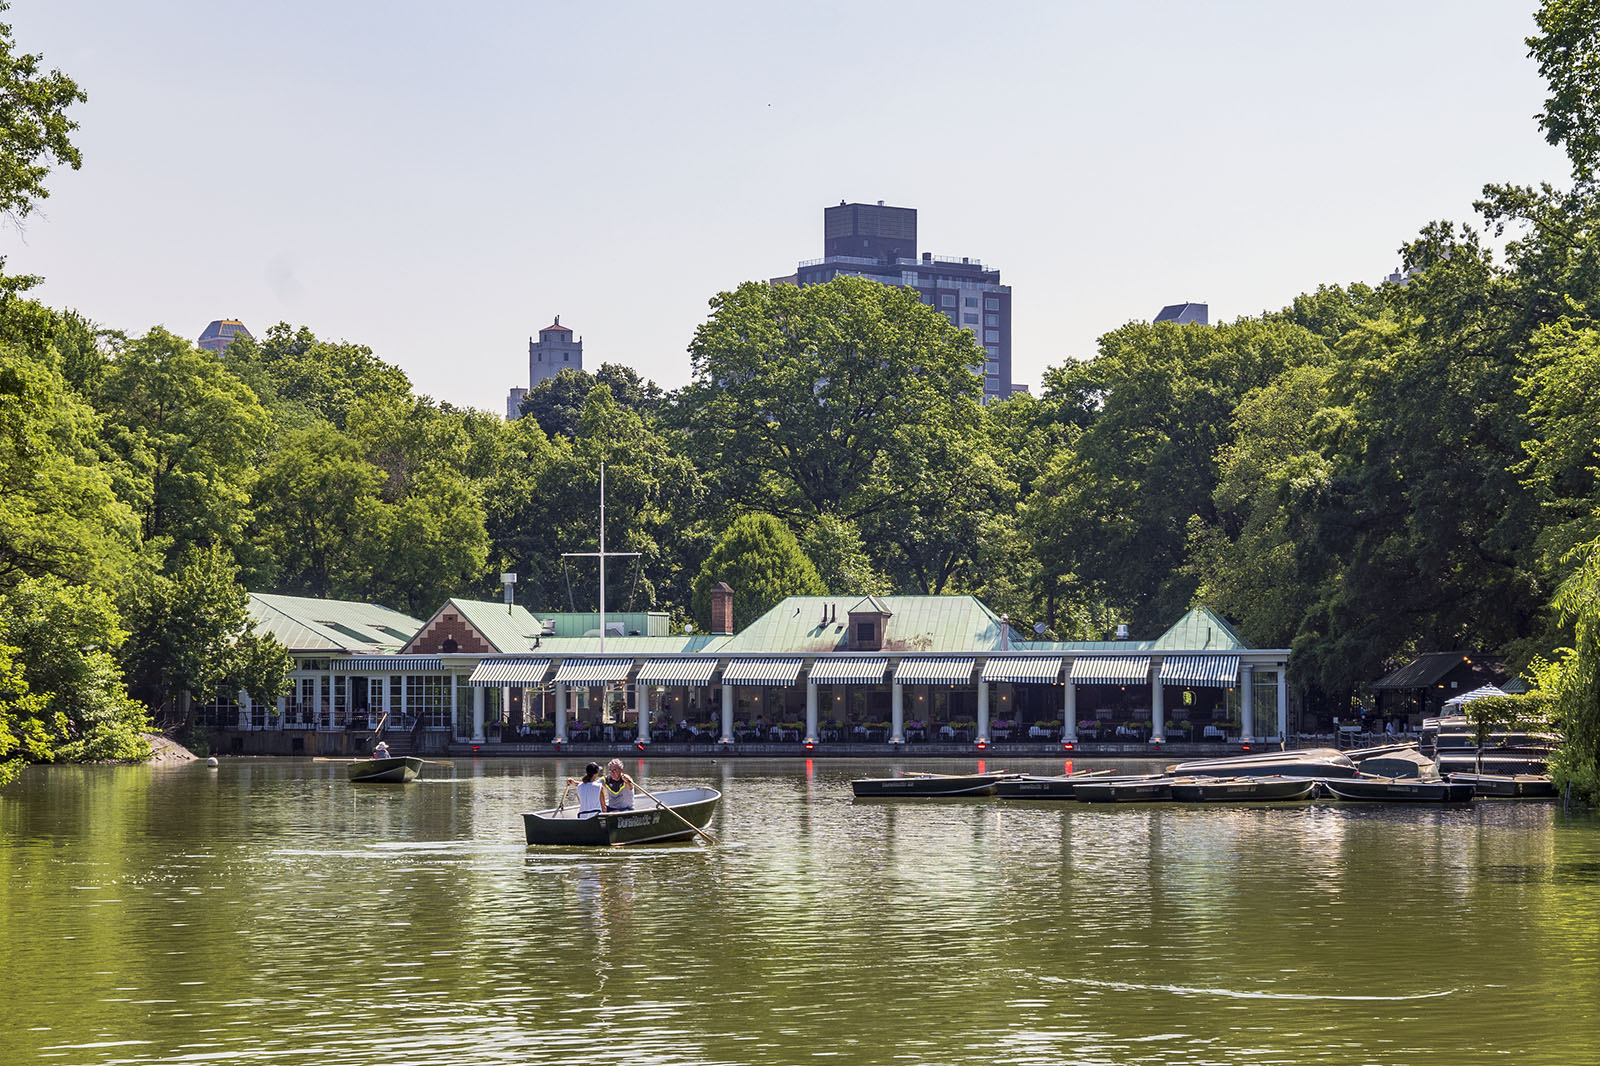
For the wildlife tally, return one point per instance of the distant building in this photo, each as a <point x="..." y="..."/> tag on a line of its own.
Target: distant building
<point x="1185" y="314"/>
<point x="217" y="336"/>
<point x="553" y="352"/>
<point x="880" y="243"/>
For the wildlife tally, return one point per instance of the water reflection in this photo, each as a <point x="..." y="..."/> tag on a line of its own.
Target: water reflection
<point x="268" y="910"/>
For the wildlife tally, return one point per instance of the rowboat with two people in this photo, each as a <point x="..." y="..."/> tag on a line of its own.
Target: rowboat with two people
<point x="655" y="818"/>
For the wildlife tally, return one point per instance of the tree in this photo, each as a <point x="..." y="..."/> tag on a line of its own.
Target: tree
<point x="190" y="433"/>
<point x="22" y="714"/>
<point x="68" y="638"/>
<point x="761" y="560"/>
<point x="59" y="513"/>
<point x="835" y="548"/>
<point x="1576" y="683"/>
<point x="1568" y="51"/>
<point x="556" y="403"/>
<point x="802" y="396"/>
<point x="300" y="377"/>
<point x="33" y="109"/>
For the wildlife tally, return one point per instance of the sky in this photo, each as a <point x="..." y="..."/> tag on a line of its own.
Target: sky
<point x="438" y="181"/>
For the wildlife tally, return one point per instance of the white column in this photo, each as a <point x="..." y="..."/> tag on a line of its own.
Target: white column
<point x="326" y="721"/>
<point x="403" y="701"/>
<point x="283" y="709"/>
<point x="455" y="720"/>
<point x="643" y="709"/>
<point x="897" y="713"/>
<point x="1247" y="710"/>
<point x="244" y="709"/>
<point x="983" y="709"/>
<point x="1158" y="709"/>
<point x="727" y="714"/>
<point x="477" y="714"/>
<point x="811" y="711"/>
<point x="561" y="713"/>
<point x="1069" y="712"/>
<point x="1283" y="701"/>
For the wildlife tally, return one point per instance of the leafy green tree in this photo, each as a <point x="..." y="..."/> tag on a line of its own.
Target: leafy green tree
<point x="803" y="396"/>
<point x="1110" y="514"/>
<point x="556" y="403"/>
<point x="33" y="107"/>
<point x="300" y="377"/>
<point x="422" y="549"/>
<point x="68" y="638"/>
<point x="835" y="547"/>
<point x="22" y="716"/>
<point x="1575" y="685"/>
<point x="761" y="560"/>
<point x="189" y="433"/>
<point x="59" y="513"/>
<point x="1568" y="50"/>
<point x="183" y="630"/>
<point x="314" y="503"/>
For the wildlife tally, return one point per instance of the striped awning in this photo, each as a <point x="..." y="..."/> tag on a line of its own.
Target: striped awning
<point x="1475" y="694"/>
<point x="775" y="672"/>
<point x="848" y="671"/>
<point x="1023" y="671"/>
<point x="357" y="663"/>
<point x="592" y="671"/>
<point x="695" y="671"/>
<point x="1202" y="671"/>
<point x="1110" y="669"/>
<point x="509" y="673"/>
<point x="944" y="671"/>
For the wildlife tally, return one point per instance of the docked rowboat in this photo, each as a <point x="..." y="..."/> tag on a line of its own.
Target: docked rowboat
<point x="1399" y="790"/>
<point x="1124" y="790"/>
<point x="1527" y="786"/>
<point x="1241" y="789"/>
<point x="923" y="785"/>
<point x="393" y="771"/>
<point x="1305" y="762"/>
<point x="1030" y="786"/>
<point x="674" y="814"/>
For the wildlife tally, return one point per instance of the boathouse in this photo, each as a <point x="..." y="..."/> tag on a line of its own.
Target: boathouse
<point x="813" y="672"/>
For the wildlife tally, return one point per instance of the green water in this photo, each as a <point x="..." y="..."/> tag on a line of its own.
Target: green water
<point x="269" y="912"/>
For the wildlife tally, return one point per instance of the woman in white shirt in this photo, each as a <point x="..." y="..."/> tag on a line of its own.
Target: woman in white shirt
<point x="589" y="791"/>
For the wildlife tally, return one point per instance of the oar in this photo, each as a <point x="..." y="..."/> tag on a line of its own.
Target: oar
<point x="709" y="838"/>
<point x="561" y="804"/>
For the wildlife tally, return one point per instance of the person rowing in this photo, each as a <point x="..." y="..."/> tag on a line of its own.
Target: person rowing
<point x="616" y="790"/>
<point x="590" y="791"/>
<point x="380" y="750"/>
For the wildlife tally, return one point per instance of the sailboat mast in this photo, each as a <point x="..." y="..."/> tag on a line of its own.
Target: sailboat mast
<point x="602" y="558"/>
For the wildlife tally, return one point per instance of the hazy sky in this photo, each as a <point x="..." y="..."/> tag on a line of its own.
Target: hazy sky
<point x="438" y="180"/>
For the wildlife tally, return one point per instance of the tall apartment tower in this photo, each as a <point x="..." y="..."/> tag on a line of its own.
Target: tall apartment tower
<point x="879" y="242"/>
<point x="553" y="352"/>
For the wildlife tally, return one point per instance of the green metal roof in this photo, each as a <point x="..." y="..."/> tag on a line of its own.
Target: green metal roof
<point x="1202" y="629"/>
<point x="679" y="644"/>
<point x="643" y="623"/>
<point x="509" y="628"/>
<point x="309" y="624"/>
<point x="916" y="624"/>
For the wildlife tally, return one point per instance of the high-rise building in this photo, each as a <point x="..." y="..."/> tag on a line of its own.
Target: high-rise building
<point x="1185" y="314"/>
<point x="553" y="352"/>
<point x="880" y="243"/>
<point x="220" y="334"/>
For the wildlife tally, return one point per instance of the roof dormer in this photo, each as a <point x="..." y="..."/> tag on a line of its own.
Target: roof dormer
<point x="868" y="620"/>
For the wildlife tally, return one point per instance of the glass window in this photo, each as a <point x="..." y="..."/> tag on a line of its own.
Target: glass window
<point x="991" y="320"/>
<point x="991" y="304"/>
<point x="992" y="349"/>
<point x="947" y="300"/>
<point x="991" y="336"/>
<point x="969" y="318"/>
<point x="992" y="368"/>
<point x="969" y="301"/>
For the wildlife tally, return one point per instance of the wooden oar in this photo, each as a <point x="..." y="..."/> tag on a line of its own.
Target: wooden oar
<point x="709" y="838"/>
<point x="561" y="804"/>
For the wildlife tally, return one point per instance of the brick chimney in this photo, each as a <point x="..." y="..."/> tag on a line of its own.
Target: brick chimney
<point x="721" y="608"/>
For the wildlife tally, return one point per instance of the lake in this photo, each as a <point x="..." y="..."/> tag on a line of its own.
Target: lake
<point x="270" y="912"/>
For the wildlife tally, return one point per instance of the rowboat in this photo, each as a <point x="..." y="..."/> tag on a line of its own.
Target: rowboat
<point x="1399" y="790"/>
<point x="674" y="814"/>
<point x="1305" y="762"/>
<point x="1527" y="786"/>
<point x="1124" y="790"/>
<point x="1241" y="789"/>
<point x="1031" y="786"/>
<point x="396" y="771"/>
<point x="923" y="785"/>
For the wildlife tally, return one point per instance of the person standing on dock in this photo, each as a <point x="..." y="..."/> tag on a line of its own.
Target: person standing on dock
<point x="590" y="791"/>
<point x="616" y="791"/>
